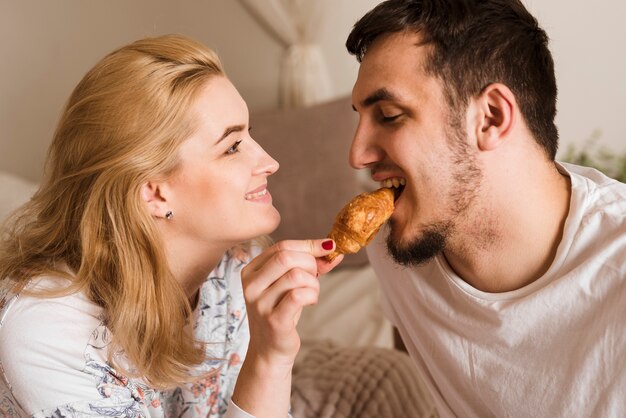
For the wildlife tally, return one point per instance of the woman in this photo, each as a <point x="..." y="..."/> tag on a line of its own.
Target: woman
<point x="122" y="278"/>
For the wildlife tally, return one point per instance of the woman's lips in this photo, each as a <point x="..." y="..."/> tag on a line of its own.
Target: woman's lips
<point x="260" y="194"/>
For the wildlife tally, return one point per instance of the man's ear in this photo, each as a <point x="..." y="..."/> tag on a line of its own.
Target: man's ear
<point x="153" y="196"/>
<point x="495" y="116"/>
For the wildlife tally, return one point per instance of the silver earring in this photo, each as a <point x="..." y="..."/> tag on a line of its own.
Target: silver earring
<point x="169" y="215"/>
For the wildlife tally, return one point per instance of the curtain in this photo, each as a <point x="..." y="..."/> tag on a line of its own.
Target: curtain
<point x="295" y="24"/>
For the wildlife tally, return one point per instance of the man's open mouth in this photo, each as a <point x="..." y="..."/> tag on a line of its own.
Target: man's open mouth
<point x="395" y="183"/>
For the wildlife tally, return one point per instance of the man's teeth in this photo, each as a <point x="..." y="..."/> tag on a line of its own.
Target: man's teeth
<point x="393" y="182"/>
<point x="251" y="196"/>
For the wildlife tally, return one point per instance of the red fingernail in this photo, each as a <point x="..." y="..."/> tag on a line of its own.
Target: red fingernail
<point x="328" y="245"/>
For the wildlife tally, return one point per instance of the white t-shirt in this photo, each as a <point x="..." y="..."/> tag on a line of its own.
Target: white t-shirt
<point x="53" y="356"/>
<point x="554" y="348"/>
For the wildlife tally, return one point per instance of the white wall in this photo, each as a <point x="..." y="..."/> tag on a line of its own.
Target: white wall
<point x="46" y="47"/>
<point x="588" y="43"/>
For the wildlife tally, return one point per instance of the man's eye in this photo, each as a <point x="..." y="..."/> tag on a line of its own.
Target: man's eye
<point x="234" y="148"/>
<point x="387" y="119"/>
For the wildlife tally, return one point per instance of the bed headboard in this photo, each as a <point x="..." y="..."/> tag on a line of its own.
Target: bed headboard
<point x="315" y="180"/>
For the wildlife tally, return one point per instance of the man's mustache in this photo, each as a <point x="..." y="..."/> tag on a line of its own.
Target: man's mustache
<point x="382" y="167"/>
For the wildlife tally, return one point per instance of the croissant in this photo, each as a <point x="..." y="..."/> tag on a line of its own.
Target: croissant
<point x="359" y="221"/>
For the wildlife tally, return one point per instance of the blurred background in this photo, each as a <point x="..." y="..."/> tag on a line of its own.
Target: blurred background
<point x="288" y="60"/>
<point x="47" y="46"/>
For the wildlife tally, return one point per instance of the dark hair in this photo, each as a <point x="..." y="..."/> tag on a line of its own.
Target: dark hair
<point x="476" y="43"/>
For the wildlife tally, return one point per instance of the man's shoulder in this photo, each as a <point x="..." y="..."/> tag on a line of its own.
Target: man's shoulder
<point x="596" y="198"/>
<point x="595" y="184"/>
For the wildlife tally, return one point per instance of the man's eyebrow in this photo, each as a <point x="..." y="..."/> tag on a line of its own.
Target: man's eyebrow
<point x="230" y="130"/>
<point x="377" y="96"/>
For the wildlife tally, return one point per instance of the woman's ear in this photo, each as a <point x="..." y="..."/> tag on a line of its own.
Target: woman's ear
<point x="495" y="120"/>
<point x="152" y="195"/>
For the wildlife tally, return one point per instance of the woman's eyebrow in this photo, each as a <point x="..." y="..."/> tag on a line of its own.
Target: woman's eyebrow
<point x="230" y="130"/>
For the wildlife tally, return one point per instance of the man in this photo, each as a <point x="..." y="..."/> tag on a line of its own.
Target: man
<point x="507" y="272"/>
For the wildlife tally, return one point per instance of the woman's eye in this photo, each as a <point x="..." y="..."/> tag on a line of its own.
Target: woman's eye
<point x="234" y="148"/>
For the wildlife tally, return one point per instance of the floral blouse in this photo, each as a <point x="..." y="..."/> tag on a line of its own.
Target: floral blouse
<point x="53" y="356"/>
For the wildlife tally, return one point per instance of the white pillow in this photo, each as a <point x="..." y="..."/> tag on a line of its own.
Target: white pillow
<point x="14" y="192"/>
<point x="348" y="312"/>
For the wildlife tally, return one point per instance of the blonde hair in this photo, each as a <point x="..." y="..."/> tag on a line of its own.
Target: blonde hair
<point x="122" y="126"/>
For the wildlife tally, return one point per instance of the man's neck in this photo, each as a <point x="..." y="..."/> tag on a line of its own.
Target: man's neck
<point x="512" y="238"/>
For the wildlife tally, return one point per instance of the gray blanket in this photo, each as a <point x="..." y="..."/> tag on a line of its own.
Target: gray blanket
<point x="363" y="382"/>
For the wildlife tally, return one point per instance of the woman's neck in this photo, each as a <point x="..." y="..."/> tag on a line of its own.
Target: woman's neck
<point x="191" y="266"/>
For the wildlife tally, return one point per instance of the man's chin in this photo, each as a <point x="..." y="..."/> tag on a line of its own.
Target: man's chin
<point x="420" y="249"/>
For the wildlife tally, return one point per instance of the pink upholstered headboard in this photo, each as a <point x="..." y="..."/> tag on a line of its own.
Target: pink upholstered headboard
<point x="314" y="180"/>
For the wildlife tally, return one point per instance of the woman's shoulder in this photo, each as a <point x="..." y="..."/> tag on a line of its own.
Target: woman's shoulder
<point x="56" y="323"/>
<point x="26" y="307"/>
<point x="37" y="330"/>
<point x="53" y="350"/>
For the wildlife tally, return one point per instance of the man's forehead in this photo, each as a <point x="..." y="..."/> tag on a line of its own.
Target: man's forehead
<point x="398" y="53"/>
<point x="393" y="61"/>
<point x="402" y="43"/>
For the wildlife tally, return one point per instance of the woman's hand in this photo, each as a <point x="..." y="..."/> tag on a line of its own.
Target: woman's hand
<point x="277" y="285"/>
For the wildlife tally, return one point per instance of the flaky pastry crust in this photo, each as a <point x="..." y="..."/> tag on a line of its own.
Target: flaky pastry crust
<point x="359" y="221"/>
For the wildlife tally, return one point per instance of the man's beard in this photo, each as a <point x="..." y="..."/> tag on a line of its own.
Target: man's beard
<point x="434" y="237"/>
<point x="431" y="242"/>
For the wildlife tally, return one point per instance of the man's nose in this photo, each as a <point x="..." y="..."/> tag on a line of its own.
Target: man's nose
<point x="364" y="150"/>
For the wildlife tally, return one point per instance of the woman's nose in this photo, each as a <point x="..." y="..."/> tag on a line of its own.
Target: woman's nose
<point x="265" y="163"/>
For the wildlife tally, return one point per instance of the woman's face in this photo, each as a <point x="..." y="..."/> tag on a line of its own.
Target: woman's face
<point x="220" y="195"/>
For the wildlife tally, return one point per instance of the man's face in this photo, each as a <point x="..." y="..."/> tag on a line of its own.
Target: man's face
<point x="407" y="130"/>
